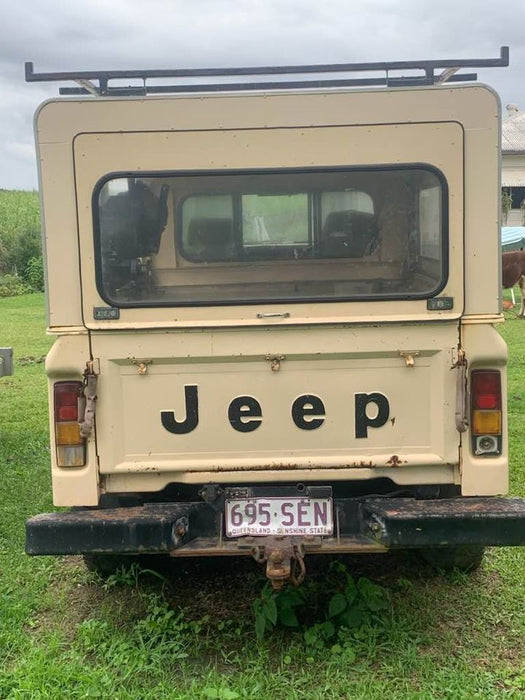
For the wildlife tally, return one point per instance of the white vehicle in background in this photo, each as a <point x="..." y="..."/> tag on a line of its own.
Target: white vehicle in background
<point x="274" y="308"/>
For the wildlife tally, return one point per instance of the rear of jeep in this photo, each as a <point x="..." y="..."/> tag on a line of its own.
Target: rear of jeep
<point x="275" y="325"/>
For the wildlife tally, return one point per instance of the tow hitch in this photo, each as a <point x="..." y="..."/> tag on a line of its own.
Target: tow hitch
<point x="284" y="560"/>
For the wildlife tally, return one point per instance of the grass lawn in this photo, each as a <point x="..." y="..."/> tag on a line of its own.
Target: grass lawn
<point x="190" y="634"/>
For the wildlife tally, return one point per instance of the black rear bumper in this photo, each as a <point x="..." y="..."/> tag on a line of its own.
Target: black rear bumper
<point x="362" y="525"/>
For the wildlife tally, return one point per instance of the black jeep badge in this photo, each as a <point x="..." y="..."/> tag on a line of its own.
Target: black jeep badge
<point x="307" y="412"/>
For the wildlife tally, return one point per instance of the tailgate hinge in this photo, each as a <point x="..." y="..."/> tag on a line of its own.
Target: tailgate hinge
<point x="459" y="362"/>
<point x="88" y="398"/>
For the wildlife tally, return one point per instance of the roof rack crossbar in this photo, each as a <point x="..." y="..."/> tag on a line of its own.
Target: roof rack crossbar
<point x="429" y="67"/>
<point x="235" y="87"/>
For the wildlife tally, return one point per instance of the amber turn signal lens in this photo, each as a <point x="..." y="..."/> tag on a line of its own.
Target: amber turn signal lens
<point x="486" y="422"/>
<point x="68" y="434"/>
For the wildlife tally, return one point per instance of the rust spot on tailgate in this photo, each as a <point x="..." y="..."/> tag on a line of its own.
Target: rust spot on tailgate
<point x="394" y="461"/>
<point x="283" y="466"/>
<point x="256" y="467"/>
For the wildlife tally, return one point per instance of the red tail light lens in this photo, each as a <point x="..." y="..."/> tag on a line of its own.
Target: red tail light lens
<point x="486" y="390"/>
<point x="66" y="400"/>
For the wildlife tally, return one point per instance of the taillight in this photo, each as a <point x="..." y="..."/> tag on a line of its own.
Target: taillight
<point x="486" y="417"/>
<point x="70" y="445"/>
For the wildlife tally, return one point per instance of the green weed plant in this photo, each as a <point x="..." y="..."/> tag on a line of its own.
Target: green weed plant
<point x="340" y="602"/>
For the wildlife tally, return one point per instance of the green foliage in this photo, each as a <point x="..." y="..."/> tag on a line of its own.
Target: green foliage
<point x="278" y="608"/>
<point x="265" y="611"/>
<point x="34" y="273"/>
<point x="342" y="601"/>
<point x="355" y="605"/>
<point x="130" y="575"/>
<point x="25" y="246"/>
<point x="20" y="240"/>
<point x="221" y="693"/>
<point x="158" y="632"/>
<point x="13" y="286"/>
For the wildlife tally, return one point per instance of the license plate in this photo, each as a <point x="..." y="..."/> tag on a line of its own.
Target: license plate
<point x="279" y="516"/>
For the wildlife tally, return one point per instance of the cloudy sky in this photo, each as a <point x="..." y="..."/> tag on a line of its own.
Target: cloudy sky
<point x="66" y="35"/>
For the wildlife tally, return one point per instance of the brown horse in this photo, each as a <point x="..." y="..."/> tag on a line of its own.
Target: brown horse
<point x="513" y="272"/>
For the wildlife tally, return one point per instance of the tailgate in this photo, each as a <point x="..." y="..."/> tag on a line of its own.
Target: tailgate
<point x="185" y="404"/>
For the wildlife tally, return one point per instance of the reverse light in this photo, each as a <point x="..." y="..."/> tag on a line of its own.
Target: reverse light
<point x="486" y="416"/>
<point x="70" y="445"/>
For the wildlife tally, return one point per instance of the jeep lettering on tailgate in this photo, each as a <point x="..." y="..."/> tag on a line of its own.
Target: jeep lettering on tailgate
<point x="307" y="412"/>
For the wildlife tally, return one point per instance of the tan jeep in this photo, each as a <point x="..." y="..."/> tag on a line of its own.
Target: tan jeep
<point x="274" y="309"/>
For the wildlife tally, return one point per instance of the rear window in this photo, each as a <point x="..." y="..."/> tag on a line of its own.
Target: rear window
<point x="254" y="237"/>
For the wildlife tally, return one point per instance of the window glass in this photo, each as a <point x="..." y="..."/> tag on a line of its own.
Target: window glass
<point x="275" y="219"/>
<point x="270" y="236"/>
<point x="207" y="228"/>
<point x="429" y="217"/>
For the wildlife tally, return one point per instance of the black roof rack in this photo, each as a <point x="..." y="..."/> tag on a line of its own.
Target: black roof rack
<point x="102" y="78"/>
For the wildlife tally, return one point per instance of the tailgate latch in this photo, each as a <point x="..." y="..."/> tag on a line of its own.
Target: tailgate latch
<point x="409" y="357"/>
<point x="275" y="361"/>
